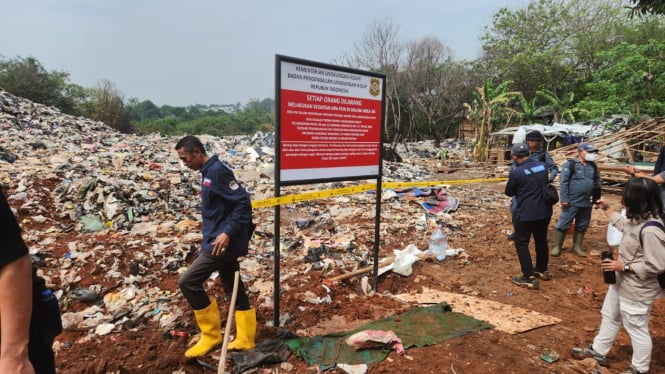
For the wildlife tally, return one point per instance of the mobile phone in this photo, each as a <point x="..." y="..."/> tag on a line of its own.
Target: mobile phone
<point x="595" y="194"/>
<point x="608" y="276"/>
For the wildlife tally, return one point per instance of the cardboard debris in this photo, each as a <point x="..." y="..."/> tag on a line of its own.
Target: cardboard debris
<point x="506" y="318"/>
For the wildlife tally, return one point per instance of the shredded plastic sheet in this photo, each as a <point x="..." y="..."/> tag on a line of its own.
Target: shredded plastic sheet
<point x="375" y="339"/>
<point x="418" y="327"/>
<point x="434" y="200"/>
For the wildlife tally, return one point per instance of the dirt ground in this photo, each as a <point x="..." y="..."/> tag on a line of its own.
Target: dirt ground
<point x="574" y="295"/>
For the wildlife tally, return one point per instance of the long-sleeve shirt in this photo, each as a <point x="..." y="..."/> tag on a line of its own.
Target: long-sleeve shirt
<point x="225" y="207"/>
<point x="640" y="284"/>
<point x="525" y="183"/>
<point x="576" y="183"/>
<point x="542" y="156"/>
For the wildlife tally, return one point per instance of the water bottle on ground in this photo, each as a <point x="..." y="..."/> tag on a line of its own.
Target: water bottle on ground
<point x="438" y="243"/>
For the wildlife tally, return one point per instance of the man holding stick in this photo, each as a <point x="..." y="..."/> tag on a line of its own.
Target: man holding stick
<point x="226" y="212"/>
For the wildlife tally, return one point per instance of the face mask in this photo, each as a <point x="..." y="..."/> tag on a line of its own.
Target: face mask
<point x="591" y="157"/>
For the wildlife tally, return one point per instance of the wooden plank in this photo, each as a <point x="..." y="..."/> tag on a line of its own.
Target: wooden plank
<point x="507" y="318"/>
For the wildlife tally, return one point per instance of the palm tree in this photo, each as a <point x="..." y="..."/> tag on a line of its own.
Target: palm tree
<point x="490" y="106"/>
<point x="530" y="109"/>
<point x="561" y="107"/>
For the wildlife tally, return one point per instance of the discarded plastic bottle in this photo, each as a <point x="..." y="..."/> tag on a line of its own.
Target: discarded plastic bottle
<point x="438" y="243"/>
<point x="610" y="276"/>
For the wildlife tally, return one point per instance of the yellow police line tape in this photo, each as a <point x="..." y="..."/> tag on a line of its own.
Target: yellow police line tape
<point x="306" y="196"/>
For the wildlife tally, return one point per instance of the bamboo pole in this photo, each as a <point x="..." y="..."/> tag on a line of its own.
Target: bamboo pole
<point x="227" y="332"/>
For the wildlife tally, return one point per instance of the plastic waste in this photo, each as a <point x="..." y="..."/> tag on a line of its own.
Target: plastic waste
<point x="438" y="243"/>
<point x="375" y="338"/>
<point x="613" y="234"/>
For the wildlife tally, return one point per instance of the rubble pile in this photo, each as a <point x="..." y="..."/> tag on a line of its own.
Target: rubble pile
<point x="108" y="216"/>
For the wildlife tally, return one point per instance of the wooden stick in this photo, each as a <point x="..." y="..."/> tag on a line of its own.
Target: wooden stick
<point x="232" y="307"/>
<point x="383" y="262"/>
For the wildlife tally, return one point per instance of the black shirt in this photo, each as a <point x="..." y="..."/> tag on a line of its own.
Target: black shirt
<point x="12" y="245"/>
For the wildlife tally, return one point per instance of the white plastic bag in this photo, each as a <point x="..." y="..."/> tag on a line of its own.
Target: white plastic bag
<point x="613" y="234"/>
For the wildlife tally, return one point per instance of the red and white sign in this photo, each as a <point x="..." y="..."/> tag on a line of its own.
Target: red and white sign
<point x="330" y="123"/>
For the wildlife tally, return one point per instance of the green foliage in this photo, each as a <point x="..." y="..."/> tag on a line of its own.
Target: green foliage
<point x="642" y="7"/>
<point x="549" y="44"/>
<point x="630" y="81"/>
<point x="143" y="111"/>
<point x="169" y="120"/>
<point x="562" y="108"/>
<point x="26" y="77"/>
<point x="106" y="104"/>
<point x="575" y="59"/>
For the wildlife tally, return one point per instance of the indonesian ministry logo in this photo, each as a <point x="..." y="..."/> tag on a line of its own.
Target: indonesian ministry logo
<point x="374" y="86"/>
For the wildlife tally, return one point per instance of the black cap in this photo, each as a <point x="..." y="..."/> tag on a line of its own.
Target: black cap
<point x="534" y="135"/>
<point x="520" y="150"/>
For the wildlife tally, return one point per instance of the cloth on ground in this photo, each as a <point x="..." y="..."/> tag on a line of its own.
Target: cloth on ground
<point x="375" y="339"/>
<point x="416" y="328"/>
<point x="268" y="352"/>
<point x="437" y="199"/>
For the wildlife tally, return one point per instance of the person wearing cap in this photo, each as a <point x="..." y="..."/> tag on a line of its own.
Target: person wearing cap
<point x="525" y="183"/>
<point x="578" y="178"/>
<point x="534" y="139"/>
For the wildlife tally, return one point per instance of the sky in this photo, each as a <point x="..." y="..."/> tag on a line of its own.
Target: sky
<point x="218" y="52"/>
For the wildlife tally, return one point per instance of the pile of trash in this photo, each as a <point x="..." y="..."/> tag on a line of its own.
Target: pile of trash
<point x="126" y="206"/>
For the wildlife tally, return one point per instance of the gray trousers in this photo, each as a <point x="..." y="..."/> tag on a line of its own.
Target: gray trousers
<point x="191" y="282"/>
<point x="634" y="316"/>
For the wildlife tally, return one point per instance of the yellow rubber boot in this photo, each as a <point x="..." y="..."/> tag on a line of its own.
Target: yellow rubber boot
<point x="245" y="330"/>
<point x="211" y="333"/>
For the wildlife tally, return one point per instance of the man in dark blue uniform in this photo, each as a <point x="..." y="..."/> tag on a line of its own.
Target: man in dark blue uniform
<point x="525" y="184"/>
<point x="226" y="212"/>
<point x="534" y="139"/>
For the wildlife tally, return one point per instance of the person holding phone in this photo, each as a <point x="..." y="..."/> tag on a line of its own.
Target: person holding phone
<point x="640" y="259"/>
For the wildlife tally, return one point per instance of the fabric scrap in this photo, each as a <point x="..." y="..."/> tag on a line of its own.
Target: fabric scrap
<point x="418" y="327"/>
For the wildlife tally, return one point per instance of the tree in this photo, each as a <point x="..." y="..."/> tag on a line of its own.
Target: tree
<point x="643" y="7"/>
<point x="550" y="44"/>
<point x="562" y="107"/>
<point x="631" y="81"/>
<point x="142" y="111"/>
<point x="380" y="50"/>
<point x="106" y="105"/>
<point x="529" y="109"/>
<point x="26" y="77"/>
<point x="490" y="107"/>
<point x="427" y="80"/>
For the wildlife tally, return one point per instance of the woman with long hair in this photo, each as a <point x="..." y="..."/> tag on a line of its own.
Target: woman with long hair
<point x="640" y="259"/>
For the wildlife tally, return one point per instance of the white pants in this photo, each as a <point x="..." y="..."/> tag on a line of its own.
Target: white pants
<point x="635" y="318"/>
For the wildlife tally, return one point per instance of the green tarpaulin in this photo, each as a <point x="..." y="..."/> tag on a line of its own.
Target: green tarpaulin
<point x="416" y="328"/>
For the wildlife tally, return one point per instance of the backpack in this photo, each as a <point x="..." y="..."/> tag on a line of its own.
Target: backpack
<point x="661" y="276"/>
<point x="571" y="164"/>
